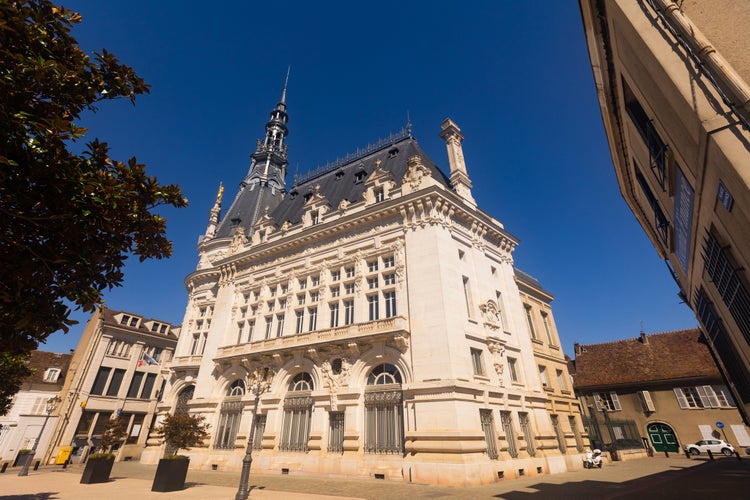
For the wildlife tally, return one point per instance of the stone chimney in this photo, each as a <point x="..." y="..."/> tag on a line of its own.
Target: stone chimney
<point x="459" y="178"/>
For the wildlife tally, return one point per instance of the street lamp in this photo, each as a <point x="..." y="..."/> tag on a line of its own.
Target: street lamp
<point x="260" y="382"/>
<point x="51" y="405"/>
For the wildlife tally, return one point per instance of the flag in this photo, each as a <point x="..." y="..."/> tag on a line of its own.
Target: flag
<point x="148" y="359"/>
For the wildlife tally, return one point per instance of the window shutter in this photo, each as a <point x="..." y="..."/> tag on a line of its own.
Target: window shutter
<point x="710" y="396"/>
<point x="615" y="401"/>
<point x="706" y="395"/>
<point x="646" y="401"/>
<point x="681" y="400"/>
<point x="598" y="401"/>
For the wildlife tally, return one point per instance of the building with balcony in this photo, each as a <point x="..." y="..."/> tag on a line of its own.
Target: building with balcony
<point x="118" y="369"/>
<point x="663" y="392"/>
<point x="24" y="424"/>
<point x="672" y="82"/>
<point x="402" y="342"/>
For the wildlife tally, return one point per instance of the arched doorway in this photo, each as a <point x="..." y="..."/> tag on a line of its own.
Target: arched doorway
<point x="662" y="437"/>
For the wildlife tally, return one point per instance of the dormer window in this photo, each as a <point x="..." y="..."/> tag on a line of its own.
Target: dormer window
<point x="339" y="174"/>
<point x="360" y="176"/>
<point x="379" y="195"/>
<point x="293" y="194"/>
<point x="314" y="217"/>
<point x="51" y="375"/>
<point x="393" y="152"/>
<point x="308" y="196"/>
<point x="235" y="221"/>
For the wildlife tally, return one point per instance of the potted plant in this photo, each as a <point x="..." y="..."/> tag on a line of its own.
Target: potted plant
<point x="181" y="431"/>
<point x="99" y="465"/>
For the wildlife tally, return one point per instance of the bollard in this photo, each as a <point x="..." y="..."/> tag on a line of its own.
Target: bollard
<point x="687" y="454"/>
<point x="710" y="455"/>
<point x="5" y="466"/>
<point x="739" y="458"/>
<point x="65" y="463"/>
<point x="36" y="465"/>
<point x="666" y="453"/>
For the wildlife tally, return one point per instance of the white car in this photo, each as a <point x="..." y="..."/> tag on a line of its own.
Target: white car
<point x="712" y="445"/>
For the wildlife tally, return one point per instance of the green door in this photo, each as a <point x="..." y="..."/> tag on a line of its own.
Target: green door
<point x="662" y="438"/>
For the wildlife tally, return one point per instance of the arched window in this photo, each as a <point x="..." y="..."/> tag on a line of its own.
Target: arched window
<point x="230" y="416"/>
<point x="301" y="382"/>
<point x="182" y="400"/>
<point x="237" y="388"/>
<point x="384" y="421"/>
<point x="295" y="430"/>
<point x="384" y="374"/>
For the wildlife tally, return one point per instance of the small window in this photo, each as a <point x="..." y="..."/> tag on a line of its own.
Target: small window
<point x="543" y="376"/>
<point x="335" y="275"/>
<point x="379" y="195"/>
<point x="513" y="369"/>
<point x="314" y="217"/>
<point x="393" y="152"/>
<point x="315" y="280"/>
<point x="302" y="284"/>
<point x="125" y="319"/>
<point x="350" y="272"/>
<point x="339" y="174"/>
<point x="360" y="176"/>
<point x="335" y="291"/>
<point x="388" y="262"/>
<point x="372" y="283"/>
<point x="51" y="375"/>
<point x="372" y="266"/>
<point x="349" y="288"/>
<point x="476" y="361"/>
<point x="389" y="279"/>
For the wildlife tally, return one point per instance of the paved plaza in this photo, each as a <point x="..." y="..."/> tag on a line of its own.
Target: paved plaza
<point x="658" y="477"/>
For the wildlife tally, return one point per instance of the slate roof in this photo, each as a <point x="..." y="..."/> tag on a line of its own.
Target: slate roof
<point x="109" y="318"/>
<point x="41" y="360"/>
<point x="336" y="185"/>
<point x="650" y="358"/>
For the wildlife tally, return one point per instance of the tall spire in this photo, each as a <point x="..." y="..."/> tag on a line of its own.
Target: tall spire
<point x="283" y="93"/>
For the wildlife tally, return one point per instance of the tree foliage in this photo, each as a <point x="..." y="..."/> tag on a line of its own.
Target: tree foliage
<point x="114" y="432"/>
<point x="14" y="370"/>
<point x="68" y="220"/>
<point x="182" y="431"/>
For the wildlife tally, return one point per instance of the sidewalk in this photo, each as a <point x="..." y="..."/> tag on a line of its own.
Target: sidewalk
<point x="658" y="477"/>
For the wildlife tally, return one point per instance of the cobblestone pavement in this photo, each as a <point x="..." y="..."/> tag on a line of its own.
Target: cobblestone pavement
<point x="658" y="477"/>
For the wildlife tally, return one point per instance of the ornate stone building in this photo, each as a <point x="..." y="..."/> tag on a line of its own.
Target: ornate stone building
<point x="385" y="305"/>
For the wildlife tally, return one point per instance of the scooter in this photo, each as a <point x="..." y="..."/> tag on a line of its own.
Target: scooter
<point x="593" y="459"/>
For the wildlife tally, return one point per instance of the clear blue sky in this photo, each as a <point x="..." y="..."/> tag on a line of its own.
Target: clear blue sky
<point x="514" y="76"/>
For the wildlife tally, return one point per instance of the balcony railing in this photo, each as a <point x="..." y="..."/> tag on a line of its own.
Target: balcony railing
<point x="392" y="328"/>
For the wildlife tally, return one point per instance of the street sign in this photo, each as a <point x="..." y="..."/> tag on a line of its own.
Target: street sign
<point x="720" y="425"/>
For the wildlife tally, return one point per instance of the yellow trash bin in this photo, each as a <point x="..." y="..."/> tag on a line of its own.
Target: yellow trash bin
<point x="63" y="455"/>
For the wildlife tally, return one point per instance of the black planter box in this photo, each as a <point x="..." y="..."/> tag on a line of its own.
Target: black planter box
<point x="170" y="474"/>
<point x="23" y="459"/>
<point x="97" y="470"/>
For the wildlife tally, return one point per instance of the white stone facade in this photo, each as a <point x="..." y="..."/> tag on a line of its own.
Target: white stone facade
<point x="387" y="319"/>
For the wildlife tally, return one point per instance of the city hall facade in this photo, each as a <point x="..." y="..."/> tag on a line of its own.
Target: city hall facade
<point x="399" y="340"/>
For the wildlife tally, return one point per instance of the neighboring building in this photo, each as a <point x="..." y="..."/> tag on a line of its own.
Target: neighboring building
<point x="666" y="383"/>
<point x="21" y="426"/>
<point x="116" y="370"/>
<point x="672" y="80"/>
<point x="388" y="309"/>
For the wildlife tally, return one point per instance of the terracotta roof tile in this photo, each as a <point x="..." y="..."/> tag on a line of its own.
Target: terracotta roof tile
<point x="649" y="358"/>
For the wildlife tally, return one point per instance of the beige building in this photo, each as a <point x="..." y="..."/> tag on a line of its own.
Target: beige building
<point x="29" y="421"/>
<point x="672" y="81"/>
<point x="386" y="307"/>
<point x="116" y="370"/>
<point x="667" y="384"/>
